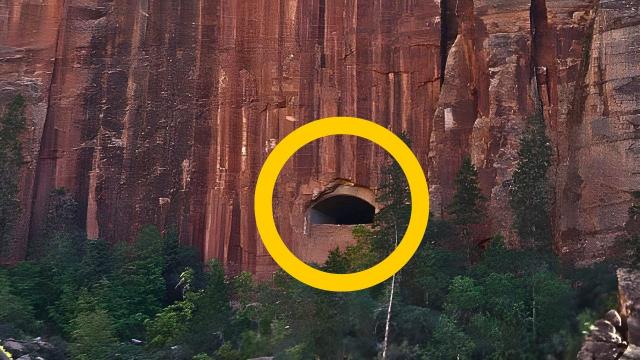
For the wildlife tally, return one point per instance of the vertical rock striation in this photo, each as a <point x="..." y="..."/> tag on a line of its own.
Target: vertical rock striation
<point x="602" y="137"/>
<point x="162" y="112"/>
<point x="28" y="56"/>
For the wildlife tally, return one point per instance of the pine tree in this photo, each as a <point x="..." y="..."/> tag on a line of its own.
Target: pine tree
<point x="466" y="206"/>
<point x="394" y="197"/>
<point x="209" y="324"/>
<point x="530" y="188"/>
<point x="12" y="124"/>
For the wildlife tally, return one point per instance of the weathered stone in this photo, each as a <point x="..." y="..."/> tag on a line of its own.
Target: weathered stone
<point x="163" y="111"/>
<point x="601" y="164"/>
<point x="616" y="337"/>
<point x="15" y="347"/>
<point x="603" y="342"/>
<point x="613" y="317"/>
<point x="629" y="294"/>
<point x="631" y="353"/>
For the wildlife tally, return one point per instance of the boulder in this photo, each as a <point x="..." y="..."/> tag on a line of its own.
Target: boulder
<point x="604" y="341"/>
<point x="35" y="349"/>
<point x="617" y="336"/>
<point x="14" y="347"/>
<point x="629" y="292"/>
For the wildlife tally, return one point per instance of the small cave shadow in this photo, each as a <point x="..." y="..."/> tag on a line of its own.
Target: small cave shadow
<point x="342" y="210"/>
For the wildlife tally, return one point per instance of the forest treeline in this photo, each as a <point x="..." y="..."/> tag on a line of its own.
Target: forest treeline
<point x="456" y="299"/>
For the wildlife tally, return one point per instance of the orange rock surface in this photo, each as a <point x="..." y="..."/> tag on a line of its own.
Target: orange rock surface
<point x="162" y="111"/>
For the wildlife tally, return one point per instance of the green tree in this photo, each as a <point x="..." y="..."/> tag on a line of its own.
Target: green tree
<point x="292" y="318"/>
<point x="395" y="199"/>
<point x="12" y="125"/>
<point x="177" y="259"/>
<point x="466" y="207"/>
<point x="515" y="292"/>
<point x="33" y="283"/>
<point x="170" y="325"/>
<point x="223" y="355"/>
<point x="16" y="314"/>
<point x="62" y="213"/>
<point x="530" y="188"/>
<point x="211" y="317"/>
<point x="72" y="266"/>
<point x="134" y="292"/>
<point x="426" y="278"/>
<point x="449" y="342"/>
<point x="360" y="256"/>
<point x="93" y="337"/>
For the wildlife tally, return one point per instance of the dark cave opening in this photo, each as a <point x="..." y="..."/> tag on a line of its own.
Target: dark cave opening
<point x="342" y="210"/>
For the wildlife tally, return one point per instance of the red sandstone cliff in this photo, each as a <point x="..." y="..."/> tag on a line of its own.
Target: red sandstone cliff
<point x="154" y="111"/>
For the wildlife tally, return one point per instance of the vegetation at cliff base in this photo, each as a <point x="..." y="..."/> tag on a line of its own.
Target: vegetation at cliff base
<point x="153" y="300"/>
<point x="12" y="125"/>
<point x="466" y="208"/>
<point x="458" y="298"/>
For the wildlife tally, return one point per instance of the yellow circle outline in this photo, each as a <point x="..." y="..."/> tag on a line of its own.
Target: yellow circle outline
<point x="268" y="231"/>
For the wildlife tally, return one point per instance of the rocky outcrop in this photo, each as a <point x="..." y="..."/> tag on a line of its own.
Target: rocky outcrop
<point x="629" y="293"/>
<point x="32" y="350"/>
<point x="603" y="158"/>
<point x="604" y="340"/>
<point x="27" y="55"/>
<point x="617" y="336"/>
<point x="162" y="112"/>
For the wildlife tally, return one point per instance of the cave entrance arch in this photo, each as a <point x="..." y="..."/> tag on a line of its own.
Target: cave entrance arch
<point x="342" y="210"/>
<point x="331" y="216"/>
<point x="343" y="205"/>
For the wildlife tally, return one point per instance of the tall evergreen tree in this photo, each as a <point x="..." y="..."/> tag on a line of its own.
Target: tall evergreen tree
<point x="210" y="320"/>
<point x="394" y="197"/>
<point x="466" y="207"/>
<point x="530" y="188"/>
<point x="12" y="124"/>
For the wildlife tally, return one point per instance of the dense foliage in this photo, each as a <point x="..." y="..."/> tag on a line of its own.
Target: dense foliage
<point x="466" y="208"/>
<point x="153" y="299"/>
<point x="12" y="124"/>
<point x="530" y="189"/>
<point x="445" y="309"/>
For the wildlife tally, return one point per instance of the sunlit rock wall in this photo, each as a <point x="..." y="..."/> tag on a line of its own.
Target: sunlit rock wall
<point x="153" y="111"/>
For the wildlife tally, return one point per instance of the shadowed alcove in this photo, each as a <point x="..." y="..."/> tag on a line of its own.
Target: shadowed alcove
<point x="342" y="210"/>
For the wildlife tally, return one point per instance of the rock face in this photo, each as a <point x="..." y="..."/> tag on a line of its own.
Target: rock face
<point x="617" y="336"/>
<point x="604" y="340"/>
<point x="629" y="293"/>
<point x="32" y="349"/>
<point x="162" y="112"/>
<point x="603" y="153"/>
